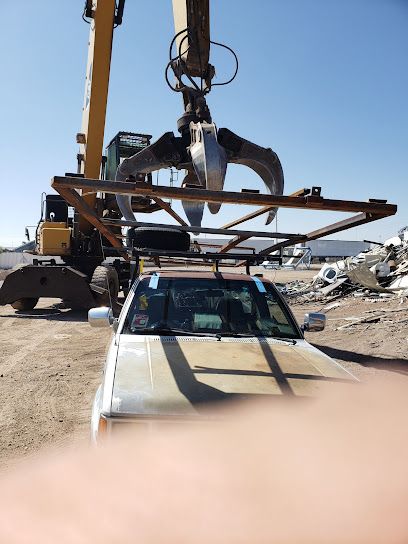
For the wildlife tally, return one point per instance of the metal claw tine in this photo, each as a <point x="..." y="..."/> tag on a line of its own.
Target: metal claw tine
<point x="263" y="161"/>
<point x="209" y="159"/>
<point x="194" y="210"/>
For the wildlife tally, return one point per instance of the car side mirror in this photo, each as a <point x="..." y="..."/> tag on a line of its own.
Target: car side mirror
<point x="100" y="317"/>
<point x="314" y="322"/>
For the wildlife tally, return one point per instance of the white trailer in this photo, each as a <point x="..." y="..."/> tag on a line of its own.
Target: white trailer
<point x="322" y="249"/>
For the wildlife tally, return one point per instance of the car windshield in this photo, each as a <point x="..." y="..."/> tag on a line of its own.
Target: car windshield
<point x="213" y="306"/>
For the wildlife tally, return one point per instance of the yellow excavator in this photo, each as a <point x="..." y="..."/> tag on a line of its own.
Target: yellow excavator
<point x="202" y="151"/>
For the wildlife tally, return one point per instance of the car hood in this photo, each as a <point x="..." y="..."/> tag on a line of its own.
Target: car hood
<point x="179" y="375"/>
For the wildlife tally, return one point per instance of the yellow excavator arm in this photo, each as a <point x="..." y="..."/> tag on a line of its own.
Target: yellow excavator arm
<point x="101" y="14"/>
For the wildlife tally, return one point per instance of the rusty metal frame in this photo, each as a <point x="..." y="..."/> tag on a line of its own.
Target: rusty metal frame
<point x="303" y="199"/>
<point x="207" y="230"/>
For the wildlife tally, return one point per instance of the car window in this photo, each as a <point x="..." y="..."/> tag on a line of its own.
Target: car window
<point x="216" y="305"/>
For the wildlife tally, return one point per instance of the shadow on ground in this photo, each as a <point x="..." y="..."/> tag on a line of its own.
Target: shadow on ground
<point x="393" y="365"/>
<point x="50" y="314"/>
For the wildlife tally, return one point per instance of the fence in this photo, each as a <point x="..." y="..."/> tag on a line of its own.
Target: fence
<point x="9" y="259"/>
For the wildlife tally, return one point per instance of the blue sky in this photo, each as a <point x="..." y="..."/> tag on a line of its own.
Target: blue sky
<point x="322" y="82"/>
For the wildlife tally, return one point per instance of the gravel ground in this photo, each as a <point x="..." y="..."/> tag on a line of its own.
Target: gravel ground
<point x="51" y="363"/>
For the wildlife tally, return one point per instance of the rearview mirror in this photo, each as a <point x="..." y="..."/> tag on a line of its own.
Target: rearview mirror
<point x="100" y="317"/>
<point x="314" y="322"/>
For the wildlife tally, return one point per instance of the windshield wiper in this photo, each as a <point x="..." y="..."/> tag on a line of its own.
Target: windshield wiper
<point x="257" y="335"/>
<point x="239" y="334"/>
<point x="182" y="332"/>
<point x="291" y="340"/>
<point x="170" y="331"/>
<point x="283" y="339"/>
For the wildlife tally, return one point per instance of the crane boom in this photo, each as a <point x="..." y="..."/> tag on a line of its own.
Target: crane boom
<point x="96" y="87"/>
<point x="103" y="14"/>
<point x="195" y="44"/>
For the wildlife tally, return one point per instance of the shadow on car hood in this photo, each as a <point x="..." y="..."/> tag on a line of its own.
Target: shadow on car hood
<point x="180" y="375"/>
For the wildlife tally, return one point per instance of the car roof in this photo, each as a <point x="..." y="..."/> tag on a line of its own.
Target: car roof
<point x="199" y="274"/>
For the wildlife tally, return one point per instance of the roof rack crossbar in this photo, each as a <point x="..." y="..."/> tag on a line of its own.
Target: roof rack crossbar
<point x="251" y="257"/>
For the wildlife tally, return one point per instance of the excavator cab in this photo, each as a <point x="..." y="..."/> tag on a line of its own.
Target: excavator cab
<point x="121" y="147"/>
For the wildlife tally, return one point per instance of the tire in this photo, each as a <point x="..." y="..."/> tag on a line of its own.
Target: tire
<point x="24" y="304"/>
<point x="105" y="277"/>
<point x="158" y="238"/>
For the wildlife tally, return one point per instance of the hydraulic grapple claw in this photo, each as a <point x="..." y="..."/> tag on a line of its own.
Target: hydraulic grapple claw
<point x="205" y="157"/>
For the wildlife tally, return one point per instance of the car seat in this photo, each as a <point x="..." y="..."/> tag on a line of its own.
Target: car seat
<point x="232" y="315"/>
<point x="155" y="309"/>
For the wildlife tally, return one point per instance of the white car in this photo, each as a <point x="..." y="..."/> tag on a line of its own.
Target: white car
<point x="186" y="339"/>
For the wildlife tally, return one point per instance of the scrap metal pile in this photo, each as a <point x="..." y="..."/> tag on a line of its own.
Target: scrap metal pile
<point x="376" y="274"/>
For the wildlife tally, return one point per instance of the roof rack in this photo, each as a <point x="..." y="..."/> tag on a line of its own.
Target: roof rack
<point x="305" y="199"/>
<point x="197" y="258"/>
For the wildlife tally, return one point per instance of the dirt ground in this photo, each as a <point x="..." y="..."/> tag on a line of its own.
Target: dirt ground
<point x="50" y="367"/>
<point x="51" y="363"/>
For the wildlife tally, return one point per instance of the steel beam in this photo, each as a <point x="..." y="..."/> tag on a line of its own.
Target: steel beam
<point x="166" y="207"/>
<point x="247" y="217"/>
<point x="233" y="243"/>
<point x="350" y="222"/>
<point x="73" y="198"/>
<point x="354" y="221"/>
<point x="257" y="213"/>
<point x="251" y="248"/>
<point x="227" y="197"/>
<point x="238" y="239"/>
